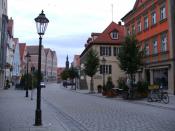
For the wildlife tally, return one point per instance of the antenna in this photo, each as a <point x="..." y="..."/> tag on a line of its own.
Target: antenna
<point x="112" y="11"/>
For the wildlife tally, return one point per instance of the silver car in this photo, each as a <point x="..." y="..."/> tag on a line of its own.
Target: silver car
<point x="42" y="84"/>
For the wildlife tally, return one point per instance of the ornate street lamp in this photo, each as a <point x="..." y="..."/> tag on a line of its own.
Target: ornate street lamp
<point x="103" y="70"/>
<point x="27" y="85"/>
<point x="41" y="25"/>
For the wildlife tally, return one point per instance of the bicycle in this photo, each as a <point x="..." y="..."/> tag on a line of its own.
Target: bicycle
<point x="158" y="95"/>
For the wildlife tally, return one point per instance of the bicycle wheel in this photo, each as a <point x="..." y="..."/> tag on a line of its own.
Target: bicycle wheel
<point x="165" y="98"/>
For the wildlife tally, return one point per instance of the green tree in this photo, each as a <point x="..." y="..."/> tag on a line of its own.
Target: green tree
<point x="65" y="74"/>
<point x="130" y="56"/>
<point x="72" y="74"/>
<point x="91" y="66"/>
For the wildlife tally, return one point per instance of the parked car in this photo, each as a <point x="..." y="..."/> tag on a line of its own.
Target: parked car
<point x="42" y="84"/>
<point x="68" y="83"/>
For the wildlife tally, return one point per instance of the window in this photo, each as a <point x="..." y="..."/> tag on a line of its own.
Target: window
<point x="153" y="17"/>
<point x="128" y="31"/>
<point x="116" y="51"/>
<point x="155" y="46"/>
<point x="162" y="12"/>
<point x="133" y="29"/>
<point x="139" y="26"/>
<point x="146" y="22"/>
<point x="147" y="48"/>
<point x="114" y="35"/>
<point x="107" y="69"/>
<point x="164" y="42"/>
<point x="105" y="51"/>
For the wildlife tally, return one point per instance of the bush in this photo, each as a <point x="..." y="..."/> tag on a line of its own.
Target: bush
<point x="109" y="84"/>
<point x="121" y="84"/>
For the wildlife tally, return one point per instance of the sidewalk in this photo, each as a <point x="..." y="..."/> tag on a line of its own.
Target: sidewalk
<point x="170" y="105"/>
<point x="17" y="113"/>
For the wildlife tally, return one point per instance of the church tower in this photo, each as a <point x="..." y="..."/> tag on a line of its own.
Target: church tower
<point x="67" y="62"/>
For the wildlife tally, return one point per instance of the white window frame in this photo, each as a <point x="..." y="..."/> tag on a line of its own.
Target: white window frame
<point x="155" y="46"/>
<point x="146" y="22"/>
<point x="162" y="12"/>
<point x="163" y="42"/>
<point x="147" y="48"/>
<point x="114" y="35"/>
<point x="139" y="26"/>
<point x="153" y="18"/>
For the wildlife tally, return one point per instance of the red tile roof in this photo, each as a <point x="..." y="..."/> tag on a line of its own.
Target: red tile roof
<point x="46" y="50"/>
<point x="104" y="38"/>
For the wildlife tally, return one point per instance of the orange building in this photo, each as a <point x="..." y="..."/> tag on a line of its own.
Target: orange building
<point x="152" y="21"/>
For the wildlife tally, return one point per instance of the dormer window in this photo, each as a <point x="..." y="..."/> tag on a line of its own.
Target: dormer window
<point x="114" y="35"/>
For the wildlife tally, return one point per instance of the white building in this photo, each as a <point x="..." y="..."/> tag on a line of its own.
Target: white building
<point x="3" y="39"/>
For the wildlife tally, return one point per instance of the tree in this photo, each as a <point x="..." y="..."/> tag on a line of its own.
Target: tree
<point x="64" y="76"/>
<point x="72" y="74"/>
<point x="91" y="66"/>
<point x="130" y="56"/>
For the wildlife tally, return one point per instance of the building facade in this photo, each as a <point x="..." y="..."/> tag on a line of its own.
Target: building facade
<point x="48" y="62"/>
<point x="152" y="21"/>
<point x="10" y="49"/>
<point x="23" y="62"/>
<point x="16" y="63"/>
<point x="54" y="66"/>
<point x="107" y="45"/>
<point x="3" y="40"/>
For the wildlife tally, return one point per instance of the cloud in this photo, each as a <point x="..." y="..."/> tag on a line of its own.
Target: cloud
<point x="71" y="22"/>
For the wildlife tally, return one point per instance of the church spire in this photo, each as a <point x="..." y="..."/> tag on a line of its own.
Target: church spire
<point x="67" y="62"/>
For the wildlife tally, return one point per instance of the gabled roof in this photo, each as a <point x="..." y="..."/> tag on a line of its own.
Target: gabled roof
<point x="53" y="53"/>
<point x="104" y="38"/>
<point x="46" y="50"/>
<point x="137" y="4"/>
<point x="33" y="50"/>
<point x="16" y="40"/>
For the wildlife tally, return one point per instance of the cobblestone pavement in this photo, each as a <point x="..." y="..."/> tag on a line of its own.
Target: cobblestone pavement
<point x="17" y="113"/>
<point x="80" y="112"/>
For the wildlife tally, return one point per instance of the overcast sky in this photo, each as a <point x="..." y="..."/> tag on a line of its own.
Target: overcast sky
<point x="71" y="22"/>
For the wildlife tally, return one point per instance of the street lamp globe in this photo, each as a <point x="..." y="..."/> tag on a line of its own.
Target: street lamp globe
<point x="41" y="23"/>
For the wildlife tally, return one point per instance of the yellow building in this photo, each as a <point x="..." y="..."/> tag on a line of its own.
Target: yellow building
<point x="107" y="44"/>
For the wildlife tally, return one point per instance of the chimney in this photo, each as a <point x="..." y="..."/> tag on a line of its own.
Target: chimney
<point x="119" y="23"/>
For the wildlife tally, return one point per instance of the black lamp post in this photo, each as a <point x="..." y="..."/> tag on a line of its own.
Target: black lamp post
<point x="41" y="25"/>
<point x="27" y="86"/>
<point x="32" y="72"/>
<point x="103" y="70"/>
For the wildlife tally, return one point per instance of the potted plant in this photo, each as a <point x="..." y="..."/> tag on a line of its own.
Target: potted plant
<point x="109" y="86"/>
